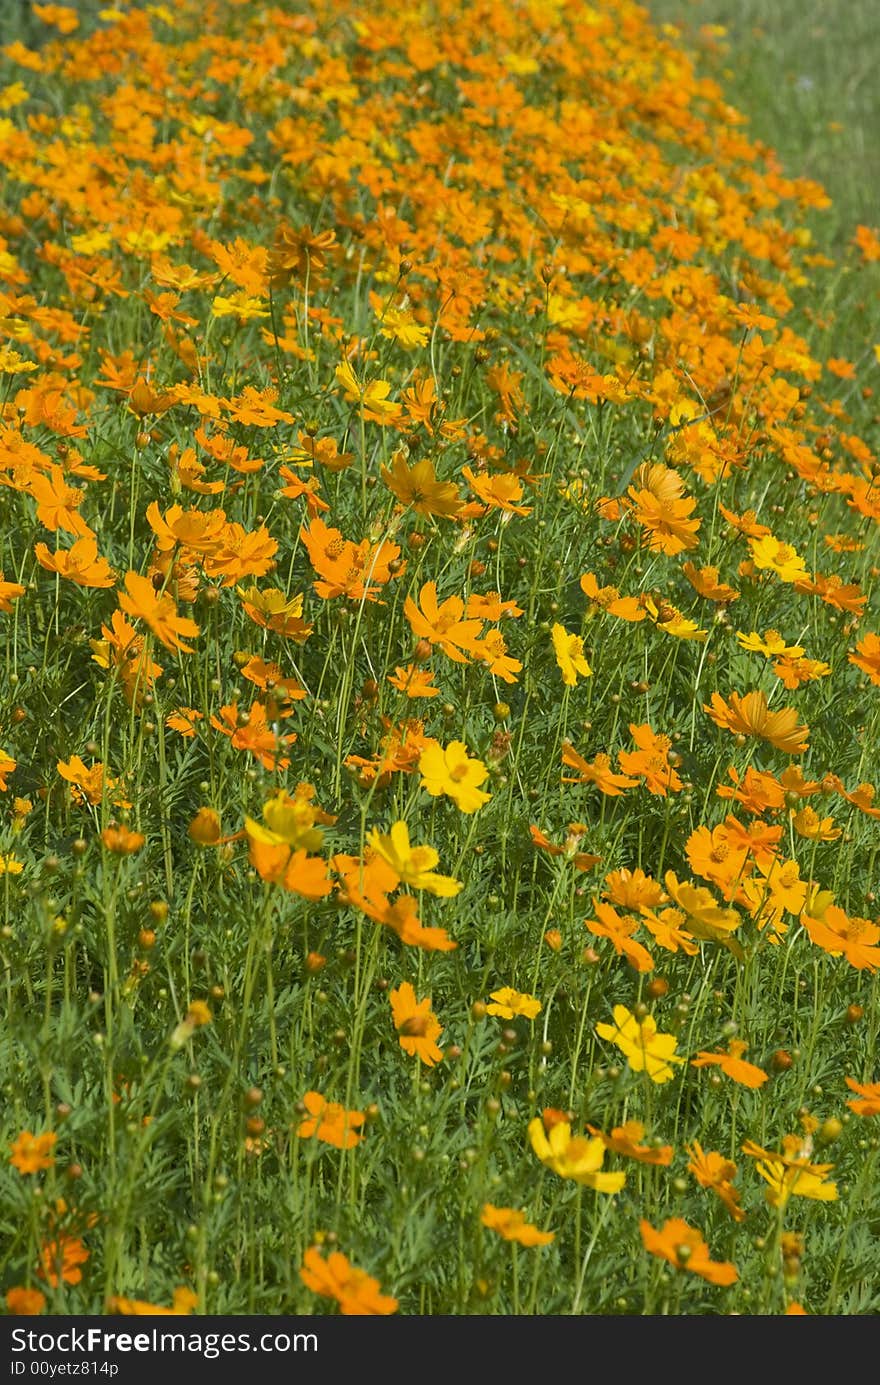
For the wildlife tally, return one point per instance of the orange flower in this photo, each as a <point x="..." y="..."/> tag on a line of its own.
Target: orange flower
<point x="205" y="827"/>
<point x="609" y="599"/>
<point x="356" y="1292"/>
<point x="713" y="1171"/>
<point x="658" y="503"/>
<point x="867" y="657"/>
<point x="9" y="592"/>
<point x="57" y="503"/>
<point x="442" y="624"/>
<point x="299" y="255"/>
<point x="7" y="767"/>
<point x="869" y="1097"/>
<point x="32" y="1153"/>
<point x="183" y="1302"/>
<point x="650" y="761"/>
<point x="599" y="772"/>
<point x="868" y="241"/>
<point x="158" y="611"/>
<point x="619" y="931"/>
<point x="346" y="568"/>
<point x="402" y="918"/>
<point x="416" y="1024"/>
<point x="270" y="678"/>
<point x="750" y="716"/>
<point x="414" y="681"/>
<point x="418" y="489"/>
<point x="714" y="857"/>
<point x="581" y="860"/>
<point x="143" y="400"/>
<point x="184" y="721"/>
<point x="668" y="931"/>
<point x="89" y="783"/>
<point x="626" y="1139"/>
<point x="330" y="1122"/>
<point x="25" y="1303"/>
<point x="861" y="798"/>
<point x="838" y="934"/>
<point x="121" y="841"/>
<point x="197" y="530"/>
<point x="61" y="1259"/>
<point x="499" y="492"/>
<point x="705" y="581"/>
<point x="253" y="733"/>
<point x="123" y="650"/>
<point x="758" y="792"/>
<point x="298" y="489"/>
<point x="512" y="1225"/>
<point x="684" y="1248"/>
<point x="732" y="1065"/>
<point x="80" y="564"/>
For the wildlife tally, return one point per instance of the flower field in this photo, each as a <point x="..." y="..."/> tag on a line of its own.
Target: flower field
<point x="438" y="739"/>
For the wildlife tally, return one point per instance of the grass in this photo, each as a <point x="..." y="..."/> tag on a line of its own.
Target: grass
<point x="346" y="362"/>
<point x="803" y="73"/>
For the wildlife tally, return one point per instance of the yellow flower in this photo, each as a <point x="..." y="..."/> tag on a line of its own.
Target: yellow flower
<point x="772" y="645"/>
<point x="790" y="1173"/>
<point x="197" y="1015"/>
<point x="670" y="619"/>
<point x="400" y="326"/>
<point x="372" y="395"/>
<point x="573" y="1156"/>
<point x="706" y="919"/>
<point x="412" y="864"/>
<point x="807" y="823"/>
<point x="508" y="1002"/>
<point x="450" y="772"/>
<point x="240" y="305"/>
<point x="570" y="655"/>
<point x="645" y="1049"/>
<point x="288" y="822"/>
<point x="778" y="557"/>
<point x="417" y="487"/>
<point x="10" y="865"/>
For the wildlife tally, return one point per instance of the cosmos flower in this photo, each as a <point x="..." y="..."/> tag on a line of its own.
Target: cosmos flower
<point x="573" y="1156"/>
<point x="356" y="1292"/>
<point x="513" y="1226"/>
<point x="449" y="771"/>
<point x="413" y="865"/>
<point x="645" y="1049"/>
<point x="416" y="1024"/>
<point x="569" y="650"/>
<point x="684" y="1248"/>
<point x="508" y="1003"/>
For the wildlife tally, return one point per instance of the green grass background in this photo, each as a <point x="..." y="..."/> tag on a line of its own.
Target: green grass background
<point x="799" y="69"/>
